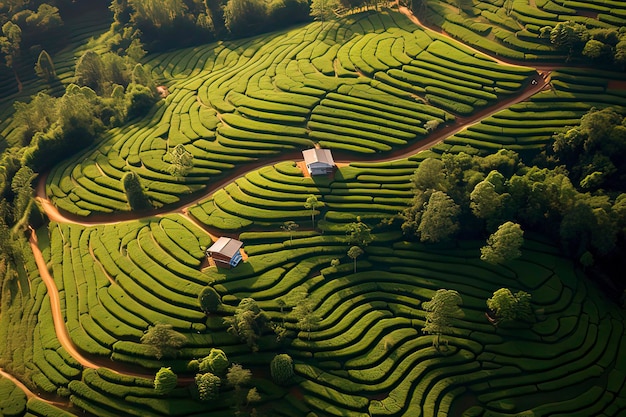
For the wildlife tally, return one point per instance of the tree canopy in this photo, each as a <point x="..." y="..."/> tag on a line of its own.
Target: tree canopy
<point x="441" y="311"/>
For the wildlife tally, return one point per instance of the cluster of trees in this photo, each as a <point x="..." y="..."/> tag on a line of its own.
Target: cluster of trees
<point x="210" y="371"/>
<point x="109" y="90"/>
<point x="444" y="308"/>
<point x="167" y="23"/>
<point x="574" y="193"/>
<point x="327" y="9"/>
<point x="600" y="45"/>
<point x="26" y="24"/>
<point x="498" y="194"/>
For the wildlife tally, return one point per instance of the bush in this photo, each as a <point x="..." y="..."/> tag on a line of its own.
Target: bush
<point x="281" y="369"/>
<point x="210" y="301"/>
<point x="137" y="199"/>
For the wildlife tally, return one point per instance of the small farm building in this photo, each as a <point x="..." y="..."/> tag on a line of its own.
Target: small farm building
<point x="318" y="161"/>
<point x="225" y="252"/>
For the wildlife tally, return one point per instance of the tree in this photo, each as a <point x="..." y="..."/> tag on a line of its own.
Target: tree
<point x="90" y="72"/>
<point x="209" y="300"/>
<point x="10" y="47"/>
<point x="253" y="396"/>
<point x="164" y="340"/>
<point x="290" y="226"/>
<point x="237" y="376"/>
<point x="303" y="311"/>
<point x="312" y="203"/>
<point x="323" y="10"/>
<point x="441" y="310"/>
<point x="569" y="35"/>
<point x="504" y="244"/>
<point x="281" y="369"/>
<point x="430" y="174"/>
<point x="248" y="322"/>
<point x="137" y="199"/>
<point x="165" y="381"/>
<point x="208" y="386"/>
<point x="245" y="17"/>
<point x="139" y="100"/>
<point x="431" y="125"/>
<point x="439" y="220"/>
<point x="486" y="203"/>
<point x="22" y="188"/>
<point x="45" y="67"/>
<point x="181" y="161"/>
<point x="215" y="362"/>
<point x="359" y="233"/>
<point x="509" y="307"/>
<point x="595" y="49"/>
<point x="353" y="253"/>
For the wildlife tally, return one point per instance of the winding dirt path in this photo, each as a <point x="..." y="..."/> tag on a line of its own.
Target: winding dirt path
<point x="539" y="82"/>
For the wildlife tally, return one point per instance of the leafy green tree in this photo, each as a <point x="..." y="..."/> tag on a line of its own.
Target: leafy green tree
<point x="569" y="35"/>
<point x="504" y="244"/>
<point x="290" y="226"/>
<point x="10" y="46"/>
<point x="165" y="381"/>
<point x="36" y="116"/>
<point x="22" y="188"/>
<point x="215" y="362"/>
<point x="237" y="376"/>
<point x="90" y="72"/>
<point x="619" y="56"/>
<point x="353" y="253"/>
<point x="137" y="199"/>
<point x="208" y="386"/>
<point x="439" y="220"/>
<point x="486" y="203"/>
<point x="304" y="312"/>
<point x="164" y="340"/>
<point x="431" y="125"/>
<point x="312" y="203"/>
<point x="595" y="49"/>
<point x="139" y="100"/>
<point x="430" y="174"/>
<point x="181" y="161"/>
<point x="209" y="300"/>
<point x="245" y="17"/>
<point x="324" y="10"/>
<point x="510" y="307"/>
<point x="253" y="397"/>
<point x="359" y="233"/>
<point x="441" y="311"/>
<point x="281" y="369"/>
<point x="248" y="322"/>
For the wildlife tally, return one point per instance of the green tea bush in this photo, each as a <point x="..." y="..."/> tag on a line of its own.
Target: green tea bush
<point x="281" y="369"/>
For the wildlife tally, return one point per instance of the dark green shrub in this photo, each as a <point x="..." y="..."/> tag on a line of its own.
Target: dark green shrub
<point x="210" y="301"/>
<point x="137" y="199"/>
<point x="281" y="369"/>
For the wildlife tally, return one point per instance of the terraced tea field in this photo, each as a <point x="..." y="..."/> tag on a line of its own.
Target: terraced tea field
<point x="512" y="28"/>
<point x="364" y="86"/>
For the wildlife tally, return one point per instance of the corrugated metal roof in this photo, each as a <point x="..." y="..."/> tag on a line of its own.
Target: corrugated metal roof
<point x="318" y="155"/>
<point x="226" y="246"/>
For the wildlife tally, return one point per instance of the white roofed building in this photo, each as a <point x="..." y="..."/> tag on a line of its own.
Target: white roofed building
<point x="319" y="161"/>
<point x="226" y="252"/>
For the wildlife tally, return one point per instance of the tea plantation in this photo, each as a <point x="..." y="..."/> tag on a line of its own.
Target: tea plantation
<point x="366" y="86"/>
